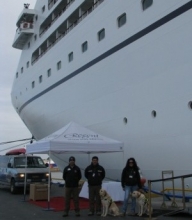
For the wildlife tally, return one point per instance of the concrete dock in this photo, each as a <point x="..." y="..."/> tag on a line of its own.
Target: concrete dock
<point x="14" y="207"/>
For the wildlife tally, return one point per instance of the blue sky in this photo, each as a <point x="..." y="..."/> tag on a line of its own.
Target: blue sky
<point x="11" y="126"/>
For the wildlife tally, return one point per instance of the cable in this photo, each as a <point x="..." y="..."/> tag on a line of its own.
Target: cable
<point x="8" y="142"/>
<point x="14" y="146"/>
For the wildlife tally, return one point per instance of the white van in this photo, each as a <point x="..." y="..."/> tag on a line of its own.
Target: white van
<point x="14" y="167"/>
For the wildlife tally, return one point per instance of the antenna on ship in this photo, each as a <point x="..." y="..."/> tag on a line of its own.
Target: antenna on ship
<point x="26" y="5"/>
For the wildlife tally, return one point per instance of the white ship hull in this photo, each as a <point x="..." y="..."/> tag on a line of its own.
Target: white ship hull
<point x="150" y="73"/>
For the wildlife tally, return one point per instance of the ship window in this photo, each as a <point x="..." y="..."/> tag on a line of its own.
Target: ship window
<point x="28" y="64"/>
<point x="17" y="75"/>
<point x="84" y="46"/>
<point x="59" y="65"/>
<point x="146" y="4"/>
<point x="33" y="84"/>
<point x="36" y="17"/>
<point x="101" y="34"/>
<point x="121" y="20"/>
<point x="35" y="37"/>
<point x="48" y="72"/>
<point x="29" y="45"/>
<point x="190" y="105"/>
<point x="154" y="113"/>
<point x="125" y="120"/>
<point x="40" y="79"/>
<point x="21" y="69"/>
<point x="43" y="8"/>
<point x="70" y="56"/>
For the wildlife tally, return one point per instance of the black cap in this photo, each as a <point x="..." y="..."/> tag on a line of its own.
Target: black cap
<point x="71" y="158"/>
<point x="95" y="157"/>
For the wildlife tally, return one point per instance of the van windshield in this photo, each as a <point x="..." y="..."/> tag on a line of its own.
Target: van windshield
<point x="36" y="162"/>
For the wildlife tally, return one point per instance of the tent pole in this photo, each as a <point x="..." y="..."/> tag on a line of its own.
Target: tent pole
<point x="49" y="183"/>
<point x="25" y="179"/>
<point x="123" y="157"/>
<point x="88" y="157"/>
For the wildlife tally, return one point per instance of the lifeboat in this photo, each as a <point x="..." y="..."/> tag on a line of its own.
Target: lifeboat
<point x="16" y="151"/>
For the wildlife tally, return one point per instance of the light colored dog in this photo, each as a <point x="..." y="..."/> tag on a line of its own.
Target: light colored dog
<point x="108" y="204"/>
<point x="142" y="203"/>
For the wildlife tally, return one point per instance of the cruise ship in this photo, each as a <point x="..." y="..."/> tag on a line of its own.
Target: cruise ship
<point x="121" y="68"/>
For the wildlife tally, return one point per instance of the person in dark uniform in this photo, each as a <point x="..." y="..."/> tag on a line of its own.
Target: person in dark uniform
<point x="94" y="174"/>
<point x="71" y="176"/>
<point x="130" y="181"/>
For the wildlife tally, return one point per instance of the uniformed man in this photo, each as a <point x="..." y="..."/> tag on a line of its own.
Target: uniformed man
<point x="71" y="176"/>
<point x="95" y="175"/>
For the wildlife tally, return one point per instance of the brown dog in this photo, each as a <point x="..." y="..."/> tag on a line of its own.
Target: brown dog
<point x="142" y="203"/>
<point x="108" y="204"/>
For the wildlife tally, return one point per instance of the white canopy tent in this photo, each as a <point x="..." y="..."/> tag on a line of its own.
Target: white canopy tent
<point x="73" y="138"/>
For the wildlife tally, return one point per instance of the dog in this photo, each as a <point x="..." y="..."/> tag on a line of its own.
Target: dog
<point x="142" y="202"/>
<point x="108" y="204"/>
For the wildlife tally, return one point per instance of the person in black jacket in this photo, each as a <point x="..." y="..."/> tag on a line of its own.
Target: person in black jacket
<point x="130" y="181"/>
<point x="71" y="176"/>
<point x="95" y="175"/>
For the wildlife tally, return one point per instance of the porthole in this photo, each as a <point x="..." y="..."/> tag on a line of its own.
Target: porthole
<point x="101" y="34"/>
<point x="154" y="113"/>
<point x="84" y="46"/>
<point x="70" y="57"/>
<point x="125" y="120"/>
<point x="146" y="3"/>
<point x="190" y="105"/>
<point x="121" y="20"/>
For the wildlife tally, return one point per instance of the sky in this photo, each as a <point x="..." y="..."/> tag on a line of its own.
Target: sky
<point x="11" y="126"/>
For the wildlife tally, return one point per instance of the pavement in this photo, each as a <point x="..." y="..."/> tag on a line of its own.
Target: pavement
<point x="17" y="207"/>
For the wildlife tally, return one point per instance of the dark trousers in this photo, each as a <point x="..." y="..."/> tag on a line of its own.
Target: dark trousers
<point x="71" y="191"/>
<point x="94" y="198"/>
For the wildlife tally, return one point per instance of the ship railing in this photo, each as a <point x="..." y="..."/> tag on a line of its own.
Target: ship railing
<point x="51" y="3"/>
<point x="56" y="17"/>
<point x="75" y="23"/>
<point x="165" y="195"/>
<point x="24" y="27"/>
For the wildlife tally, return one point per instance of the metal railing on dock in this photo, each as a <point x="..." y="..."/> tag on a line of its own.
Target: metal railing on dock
<point x="185" y="198"/>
